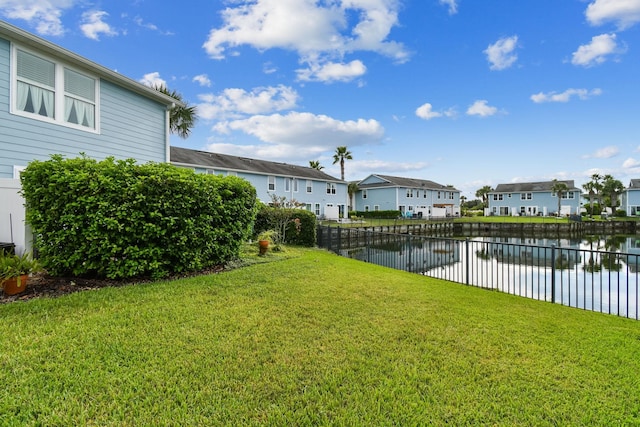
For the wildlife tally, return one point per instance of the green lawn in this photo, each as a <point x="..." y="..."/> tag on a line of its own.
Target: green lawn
<point x="313" y="339"/>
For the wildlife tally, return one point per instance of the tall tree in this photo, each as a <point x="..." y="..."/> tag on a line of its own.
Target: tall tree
<point x="560" y="188"/>
<point x="182" y="117"/>
<point x="341" y="155"/>
<point x="590" y="188"/>
<point x="612" y="188"/>
<point x="483" y="194"/>
<point x="315" y="164"/>
<point x="352" y="189"/>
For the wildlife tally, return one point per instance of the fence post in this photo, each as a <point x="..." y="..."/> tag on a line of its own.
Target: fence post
<point x="339" y="240"/>
<point x="466" y="257"/>
<point x="553" y="273"/>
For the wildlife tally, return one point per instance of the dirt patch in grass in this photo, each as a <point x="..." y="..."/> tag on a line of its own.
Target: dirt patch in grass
<point x="43" y="285"/>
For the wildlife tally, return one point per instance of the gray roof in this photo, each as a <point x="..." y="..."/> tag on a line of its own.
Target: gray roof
<point x="396" y="181"/>
<point x="532" y="187"/>
<point x="27" y="39"/>
<point x="204" y="159"/>
<point x="635" y="184"/>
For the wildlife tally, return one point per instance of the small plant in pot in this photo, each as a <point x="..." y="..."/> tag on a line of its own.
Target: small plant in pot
<point x="264" y="239"/>
<point x="15" y="271"/>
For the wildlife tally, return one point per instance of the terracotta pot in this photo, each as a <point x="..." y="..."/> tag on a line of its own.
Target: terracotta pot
<point x="15" y="285"/>
<point x="263" y="245"/>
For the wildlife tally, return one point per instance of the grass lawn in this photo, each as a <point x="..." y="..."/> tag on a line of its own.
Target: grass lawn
<point x="313" y="339"/>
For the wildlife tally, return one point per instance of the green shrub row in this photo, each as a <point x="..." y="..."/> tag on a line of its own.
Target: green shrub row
<point x="117" y="219"/>
<point x="375" y="214"/>
<point x="297" y="225"/>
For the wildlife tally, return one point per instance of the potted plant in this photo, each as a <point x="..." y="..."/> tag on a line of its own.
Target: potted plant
<point x="264" y="239"/>
<point x="15" y="271"/>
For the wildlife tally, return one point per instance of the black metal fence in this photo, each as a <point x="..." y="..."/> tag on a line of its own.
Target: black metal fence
<point x="583" y="277"/>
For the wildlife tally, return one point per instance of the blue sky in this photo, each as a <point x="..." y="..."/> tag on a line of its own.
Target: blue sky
<point x="461" y="92"/>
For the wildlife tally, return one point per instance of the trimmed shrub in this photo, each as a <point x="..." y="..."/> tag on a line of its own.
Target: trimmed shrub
<point x="116" y="219"/>
<point x="375" y="214"/>
<point x="299" y="225"/>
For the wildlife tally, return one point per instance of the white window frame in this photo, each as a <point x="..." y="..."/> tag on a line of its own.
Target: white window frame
<point x="59" y="92"/>
<point x="331" y="188"/>
<point x="287" y="185"/>
<point x="271" y="183"/>
<point x="365" y="194"/>
<point x="376" y="208"/>
<point x="317" y="209"/>
<point x="295" y="185"/>
<point x="309" y="187"/>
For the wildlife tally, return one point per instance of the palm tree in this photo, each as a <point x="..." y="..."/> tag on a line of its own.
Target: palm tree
<point x="590" y="188"/>
<point x="560" y="188"/>
<point x="315" y="164"/>
<point x="341" y="155"/>
<point x="612" y="187"/>
<point x="352" y="189"/>
<point x="483" y="194"/>
<point x="182" y="116"/>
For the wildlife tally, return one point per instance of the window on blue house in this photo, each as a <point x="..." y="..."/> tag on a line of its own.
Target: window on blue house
<point x="47" y="90"/>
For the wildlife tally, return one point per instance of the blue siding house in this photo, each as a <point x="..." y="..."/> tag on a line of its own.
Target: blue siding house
<point x="411" y="196"/>
<point x="319" y="192"/>
<point x="53" y="101"/>
<point x="533" y="198"/>
<point x="630" y="198"/>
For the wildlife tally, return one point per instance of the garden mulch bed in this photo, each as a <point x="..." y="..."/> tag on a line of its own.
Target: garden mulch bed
<point x="43" y="285"/>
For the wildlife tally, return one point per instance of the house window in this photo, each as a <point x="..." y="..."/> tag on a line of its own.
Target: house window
<point x="295" y="185"/>
<point x="309" y="187"/>
<point x="317" y="209"/>
<point x="287" y="185"/>
<point x="376" y="208"/>
<point x="50" y="91"/>
<point x="231" y="173"/>
<point x="271" y="183"/>
<point x="526" y="196"/>
<point x="364" y="194"/>
<point x="331" y="188"/>
<point x="211" y="172"/>
<point x="308" y="207"/>
<point x="425" y="194"/>
<point x="438" y="194"/>
<point x="409" y="192"/>
<point x="452" y="196"/>
<point x="497" y="197"/>
<point x="366" y="208"/>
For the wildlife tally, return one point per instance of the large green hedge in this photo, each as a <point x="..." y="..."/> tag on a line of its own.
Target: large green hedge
<point x="117" y="219"/>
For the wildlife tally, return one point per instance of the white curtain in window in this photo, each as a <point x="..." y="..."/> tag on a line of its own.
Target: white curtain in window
<point x="79" y="112"/>
<point x="22" y="96"/>
<point x="36" y="100"/>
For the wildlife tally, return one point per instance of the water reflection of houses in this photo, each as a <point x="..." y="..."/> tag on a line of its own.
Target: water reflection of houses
<point x="531" y="251"/>
<point x="414" y="255"/>
<point x="631" y="247"/>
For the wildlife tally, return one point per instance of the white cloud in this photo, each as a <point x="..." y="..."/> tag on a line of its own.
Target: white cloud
<point x="320" y="32"/>
<point x="425" y="111"/>
<point x="153" y="80"/>
<point x="453" y="6"/>
<point x="624" y="13"/>
<point x="501" y="54"/>
<point x="596" y="51"/>
<point x="481" y="108"/>
<point x="565" y="96"/>
<point x="306" y="130"/>
<point x="93" y="25"/>
<point x="44" y="15"/>
<point x="332" y="71"/>
<point x="236" y="103"/>
<point x="603" y="153"/>
<point x="202" y="80"/>
<point x="630" y="163"/>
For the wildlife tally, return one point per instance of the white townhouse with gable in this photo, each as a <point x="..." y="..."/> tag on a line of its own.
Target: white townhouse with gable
<point x="320" y="193"/>
<point x="410" y="196"/>
<point x="53" y="101"/>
